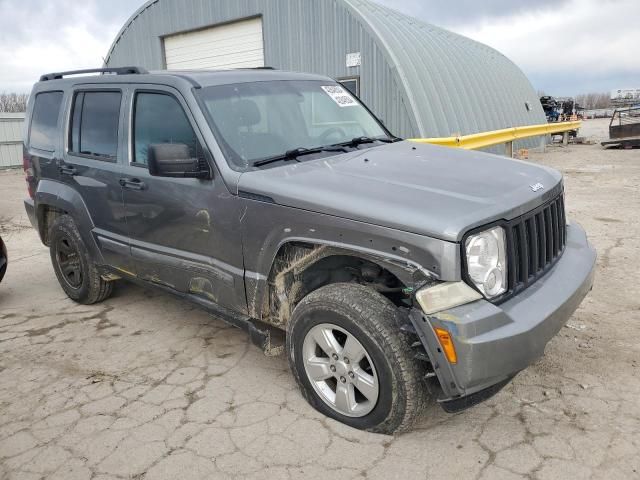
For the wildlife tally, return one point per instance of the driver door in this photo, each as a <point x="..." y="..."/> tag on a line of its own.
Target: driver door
<point x="183" y="231"/>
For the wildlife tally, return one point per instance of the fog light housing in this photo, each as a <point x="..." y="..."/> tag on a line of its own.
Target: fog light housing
<point x="444" y="296"/>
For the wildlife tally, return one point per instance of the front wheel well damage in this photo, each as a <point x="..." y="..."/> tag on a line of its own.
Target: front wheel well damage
<point x="301" y="268"/>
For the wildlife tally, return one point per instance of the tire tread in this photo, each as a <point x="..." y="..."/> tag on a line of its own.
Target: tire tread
<point x="382" y="320"/>
<point x="97" y="289"/>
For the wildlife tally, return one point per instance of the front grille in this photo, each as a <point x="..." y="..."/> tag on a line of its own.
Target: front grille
<point x="535" y="242"/>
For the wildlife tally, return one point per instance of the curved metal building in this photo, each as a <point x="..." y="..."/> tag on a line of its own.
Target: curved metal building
<point x="421" y="80"/>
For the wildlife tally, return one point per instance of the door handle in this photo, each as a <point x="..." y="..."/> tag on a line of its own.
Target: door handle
<point x="133" y="183"/>
<point x="68" y="170"/>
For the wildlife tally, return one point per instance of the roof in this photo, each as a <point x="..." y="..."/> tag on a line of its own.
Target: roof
<point x="200" y="78"/>
<point x="126" y="26"/>
<point x="207" y="78"/>
<point x="444" y="72"/>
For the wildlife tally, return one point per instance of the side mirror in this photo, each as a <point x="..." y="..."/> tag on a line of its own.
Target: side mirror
<point x="174" y="160"/>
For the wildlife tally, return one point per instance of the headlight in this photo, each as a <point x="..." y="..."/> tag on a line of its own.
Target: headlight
<point x="486" y="261"/>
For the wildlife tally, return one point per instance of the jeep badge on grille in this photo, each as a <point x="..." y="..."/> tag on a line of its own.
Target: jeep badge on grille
<point x="537" y="186"/>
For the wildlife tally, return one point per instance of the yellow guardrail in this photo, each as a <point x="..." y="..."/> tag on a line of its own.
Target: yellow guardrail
<point x="497" y="137"/>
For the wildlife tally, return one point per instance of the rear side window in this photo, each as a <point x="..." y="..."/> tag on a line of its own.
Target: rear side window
<point x="44" y="121"/>
<point x="94" y="124"/>
<point x="159" y="118"/>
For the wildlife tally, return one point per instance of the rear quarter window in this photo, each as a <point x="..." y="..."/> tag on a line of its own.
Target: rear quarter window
<point x="44" y="121"/>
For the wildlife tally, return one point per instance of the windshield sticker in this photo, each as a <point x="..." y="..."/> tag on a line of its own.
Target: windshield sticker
<point x="340" y="96"/>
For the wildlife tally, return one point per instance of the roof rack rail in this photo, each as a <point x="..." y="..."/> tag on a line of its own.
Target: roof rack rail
<point x="116" y="71"/>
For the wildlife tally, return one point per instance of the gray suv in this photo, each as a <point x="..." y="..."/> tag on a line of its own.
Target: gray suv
<point x="388" y="272"/>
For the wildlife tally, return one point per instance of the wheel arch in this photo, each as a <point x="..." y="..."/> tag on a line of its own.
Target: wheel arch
<point x="301" y="266"/>
<point x="53" y="199"/>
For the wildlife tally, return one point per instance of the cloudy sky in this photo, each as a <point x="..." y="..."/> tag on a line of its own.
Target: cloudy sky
<point x="565" y="47"/>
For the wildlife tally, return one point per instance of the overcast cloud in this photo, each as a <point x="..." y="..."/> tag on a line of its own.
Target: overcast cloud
<point x="39" y="36"/>
<point x="565" y="47"/>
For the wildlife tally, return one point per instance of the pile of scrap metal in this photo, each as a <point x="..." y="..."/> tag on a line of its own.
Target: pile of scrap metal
<point x="560" y="110"/>
<point x="624" y="129"/>
<point x="569" y="109"/>
<point x="551" y="108"/>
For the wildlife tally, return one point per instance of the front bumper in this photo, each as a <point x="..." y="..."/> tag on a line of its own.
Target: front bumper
<point x="495" y="342"/>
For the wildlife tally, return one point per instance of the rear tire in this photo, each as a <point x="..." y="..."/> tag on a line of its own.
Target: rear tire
<point x="354" y="314"/>
<point x="77" y="274"/>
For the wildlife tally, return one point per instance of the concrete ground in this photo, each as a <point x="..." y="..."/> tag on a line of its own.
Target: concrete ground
<point x="146" y="386"/>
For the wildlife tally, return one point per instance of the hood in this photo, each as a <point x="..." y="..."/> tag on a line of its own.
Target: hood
<point x="425" y="189"/>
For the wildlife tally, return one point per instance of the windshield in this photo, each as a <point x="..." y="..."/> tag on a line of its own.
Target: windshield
<point x="262" y="120"/>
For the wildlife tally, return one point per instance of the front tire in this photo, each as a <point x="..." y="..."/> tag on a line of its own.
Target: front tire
<point x="77" y="274"/>
<point x="351" y="360"/>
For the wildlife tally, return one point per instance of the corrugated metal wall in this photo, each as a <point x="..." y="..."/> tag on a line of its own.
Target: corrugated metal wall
<point x="454" y="84"/>
<point x="11" y="125"/>
<point x="300" y="35"/>
<point x="419" y="79"/>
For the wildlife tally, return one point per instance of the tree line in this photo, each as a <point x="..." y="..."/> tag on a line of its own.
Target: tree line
<point x="592" y="101"/>
<point x="589" y="101"/>
<point x="13" y="102"/>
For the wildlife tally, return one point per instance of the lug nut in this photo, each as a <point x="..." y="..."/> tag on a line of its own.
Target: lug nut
<point x="334" y="356"/>
<point x="346" y="360"/>
<point x="343" y="380"/>
<point x="332" y="368"/>
<point x="351" y="375"/>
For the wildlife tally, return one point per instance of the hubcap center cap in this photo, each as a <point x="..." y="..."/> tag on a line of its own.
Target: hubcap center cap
<point x="342" y="369"/>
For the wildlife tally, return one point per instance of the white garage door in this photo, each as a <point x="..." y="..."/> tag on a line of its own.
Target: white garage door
<point x="234" y="45"/>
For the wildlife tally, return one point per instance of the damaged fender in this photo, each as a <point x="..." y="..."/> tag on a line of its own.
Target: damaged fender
<point x="268" y="229"/>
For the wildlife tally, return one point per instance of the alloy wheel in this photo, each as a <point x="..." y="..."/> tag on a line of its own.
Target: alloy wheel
<point x="340" y="370"/>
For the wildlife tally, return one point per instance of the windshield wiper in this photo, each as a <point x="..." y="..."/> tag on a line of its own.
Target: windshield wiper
<point x="298" y="152"/>
<point x="354" y="142"/>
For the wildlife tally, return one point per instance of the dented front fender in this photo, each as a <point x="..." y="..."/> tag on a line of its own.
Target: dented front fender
<point x="268" y="227"/>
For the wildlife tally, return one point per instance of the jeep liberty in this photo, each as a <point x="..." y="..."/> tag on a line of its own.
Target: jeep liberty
<point x="389" y="272"/>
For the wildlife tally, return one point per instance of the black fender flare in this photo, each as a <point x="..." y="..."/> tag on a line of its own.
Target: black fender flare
<point x="58" y="196"/>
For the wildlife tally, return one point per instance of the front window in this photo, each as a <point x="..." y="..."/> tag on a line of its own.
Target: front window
<point x="150" y="125"/>
<point x="262" y="120"/>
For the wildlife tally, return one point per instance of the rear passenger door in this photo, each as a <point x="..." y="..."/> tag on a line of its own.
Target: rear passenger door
<point x="91" y="165"/>
<point x="183" y="231"/>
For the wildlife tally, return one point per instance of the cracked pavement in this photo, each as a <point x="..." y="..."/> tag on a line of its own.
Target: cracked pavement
<point x="149" y="387"/>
